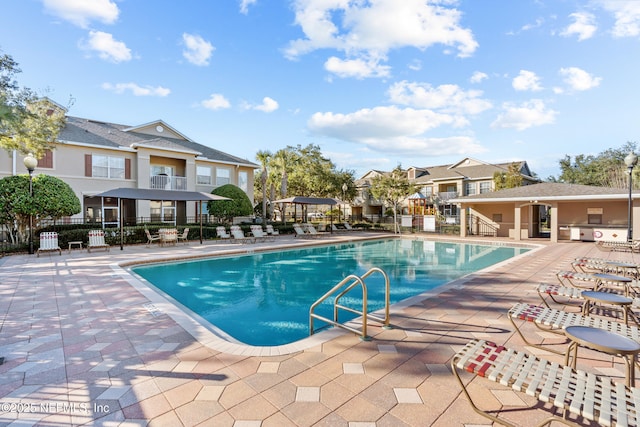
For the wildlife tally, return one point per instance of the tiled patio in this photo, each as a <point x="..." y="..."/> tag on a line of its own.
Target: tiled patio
<point x="85" y="344"/>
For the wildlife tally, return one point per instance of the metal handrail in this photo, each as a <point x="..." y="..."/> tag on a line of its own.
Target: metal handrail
<point x="355" y="281"/>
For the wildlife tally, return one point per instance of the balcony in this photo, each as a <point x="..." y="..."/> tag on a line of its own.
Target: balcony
<point x="167" y="182"/>
<point x="447" y="195"/>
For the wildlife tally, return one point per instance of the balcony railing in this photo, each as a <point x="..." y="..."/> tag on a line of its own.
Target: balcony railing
<point x="167" y="182"/>
<point x="447" y="195"/>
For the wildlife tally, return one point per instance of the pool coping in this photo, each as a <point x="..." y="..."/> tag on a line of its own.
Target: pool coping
<point x="214" y="338"/>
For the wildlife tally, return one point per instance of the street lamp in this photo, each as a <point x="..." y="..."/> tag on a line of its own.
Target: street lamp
<point x="345" y="187"/>
<point x="30" y="163"/>
<point x="631" y="160"/>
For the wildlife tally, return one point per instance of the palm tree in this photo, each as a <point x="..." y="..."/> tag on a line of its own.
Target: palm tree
<point x="263" y="157"/>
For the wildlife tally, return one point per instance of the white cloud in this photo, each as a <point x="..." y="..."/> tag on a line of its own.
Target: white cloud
<point x="528" y="114"/>
<point x="244" y="5"/>
<point x="107" y="47"/>
<point x="537" y="24"/>
<point x="578" y="79"/>
<point x="357" y="68"/>
<point x="136" y="89"/>
<point x="368" y="30"/>
<point x="447" y="98"/>
<point x="583" y="26"/>
<point x="527" y="80"/>
<point x="627" y="15"/>
<point x="378" y="122"/>
<point x="216" y="102"/>
<point x="478" y="76"/>
<point x="82" y="12"/>
<point x="268" y="105"/>
<point x="197" y="50"/>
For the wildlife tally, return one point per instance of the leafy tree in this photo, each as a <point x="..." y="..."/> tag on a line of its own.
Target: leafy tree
<point x="511" y="178"/>
<point x="28" y="123"/>
<point x="606" y="169"/>
<point x="302" y="171"/>
<point x="392" y="189"/>
<point x="52" y="199"/>
<point x="239" y="205"/>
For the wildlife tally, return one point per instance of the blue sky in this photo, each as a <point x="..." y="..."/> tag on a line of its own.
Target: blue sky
<point x="374" y="83"/>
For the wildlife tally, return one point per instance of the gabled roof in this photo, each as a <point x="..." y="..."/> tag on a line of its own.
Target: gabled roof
<point x="112" y="135"/>
<point x="474" y="170"/>
<point x="547" y="191"/>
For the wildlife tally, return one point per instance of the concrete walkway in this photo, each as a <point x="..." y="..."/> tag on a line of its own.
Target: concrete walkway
<point x="85" y="344"/>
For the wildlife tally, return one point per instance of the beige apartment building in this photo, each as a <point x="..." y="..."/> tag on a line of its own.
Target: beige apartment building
<point x="94" y="156"/>
<point x="438" y="185"/>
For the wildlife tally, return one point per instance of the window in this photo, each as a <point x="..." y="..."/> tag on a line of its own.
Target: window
<point x="470" y="188"/>
<point x="428" y="191"/>
<point x="497" y="217"/>
<point x="243" y="181"/>
<point x="99" y="166"/>
<point x="485" y="187"/>
<point x="47" y="160"/>
<point x="203" y="175"/>
<point x="223" y="176"/>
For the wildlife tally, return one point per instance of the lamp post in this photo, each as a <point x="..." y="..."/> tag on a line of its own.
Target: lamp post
<point x="631" y="160"/>
<point x="30" y="163"/>
<point x="345" y="187"/>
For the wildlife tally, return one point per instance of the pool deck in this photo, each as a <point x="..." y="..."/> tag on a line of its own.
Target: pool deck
<point x="85" y="344"/>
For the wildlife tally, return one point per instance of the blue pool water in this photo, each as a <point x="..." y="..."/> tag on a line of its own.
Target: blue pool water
<point x="264" y="298"/>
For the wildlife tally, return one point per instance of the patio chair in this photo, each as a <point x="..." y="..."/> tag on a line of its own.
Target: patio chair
<point x="151" y="237"/>
<point x="556" y="321"/>
<point x="184" y="237"/>
<point x="259" y="234"/>
<point x="238" y="235"/>
<point x="48" y="243"/>
<point x="96" y="241"/>
<point x="222" y="233"/>
<point x="271" y="231"/>
<point x="587" y="395"/>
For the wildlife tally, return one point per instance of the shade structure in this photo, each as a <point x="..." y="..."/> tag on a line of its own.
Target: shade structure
<point x="300" y="200"/>
<point x="308" y="200"/>
<point x="152" y="194"/>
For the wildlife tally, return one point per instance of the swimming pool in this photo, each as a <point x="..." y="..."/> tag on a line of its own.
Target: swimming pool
<point x="263" y="299"/>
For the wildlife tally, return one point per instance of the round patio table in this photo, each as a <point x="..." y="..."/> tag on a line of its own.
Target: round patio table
<point x="623" y="281"/>
<point x="592" y="298"/>
<point x="605" y="342"/>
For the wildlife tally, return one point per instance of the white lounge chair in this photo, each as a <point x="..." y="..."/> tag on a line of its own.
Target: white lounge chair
<point x="348" y="226"/>
<point x="311" y="230"/>
<point x="271" y="231"/>
<point x="259" y="233"/>
<point x="300" y="232"/>
<point x="48" y="243"/>
<point x="96" y="241"/>
<point x="222" y="233"/>
<point x="238" y="235"/>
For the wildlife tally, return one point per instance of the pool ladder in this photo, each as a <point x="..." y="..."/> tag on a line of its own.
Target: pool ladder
<point x="341" y="289"/>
